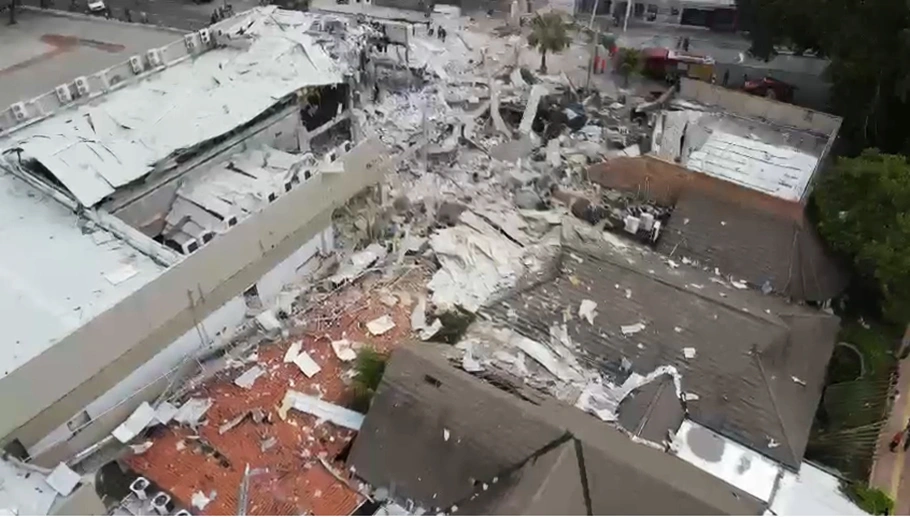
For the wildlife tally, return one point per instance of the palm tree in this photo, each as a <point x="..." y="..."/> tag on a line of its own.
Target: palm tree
<point x="629" y="62"/>
<point x="548" y="34"/>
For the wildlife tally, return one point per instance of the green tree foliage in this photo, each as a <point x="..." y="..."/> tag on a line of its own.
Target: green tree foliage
<point x="868" y="43"/>
<point x="549" y="33"/>
<point x="369" y="368"/>
<point x="864" y="213"/>
<point x="628" y="62"/>
<point x="872" y="500"/>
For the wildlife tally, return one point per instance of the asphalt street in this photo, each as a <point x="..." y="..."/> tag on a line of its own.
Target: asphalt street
<point x="178" y="14"/>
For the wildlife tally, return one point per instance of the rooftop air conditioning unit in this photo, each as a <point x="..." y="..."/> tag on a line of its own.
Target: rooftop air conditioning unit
<point x="82" y="85"/>
<point x="206" y="37"/>
<point x="136" y="64"/>
<point x="64" y="94"/>
<point x="190" y="41"/>
<point x="154" y="57"/>
<point x="19" y="111"/>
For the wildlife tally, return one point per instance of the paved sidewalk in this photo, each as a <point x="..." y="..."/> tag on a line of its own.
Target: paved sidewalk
<point x="891" y="470"/>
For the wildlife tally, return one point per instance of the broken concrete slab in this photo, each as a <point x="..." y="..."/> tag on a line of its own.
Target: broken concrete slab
<point x="527" y="120"/>
<point x="63" y="479"/>
<point x="381" y="325"/>
<point x="192" y="411"/>
<point x="322" y="410"/>
<point x="135" y="424"/>
<point x="344" y="350"/>
<point x="248" y="378"/>
<point x="307" y="365"/>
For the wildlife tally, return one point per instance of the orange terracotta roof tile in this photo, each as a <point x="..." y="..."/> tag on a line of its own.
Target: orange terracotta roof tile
<point x="295" y="481"/>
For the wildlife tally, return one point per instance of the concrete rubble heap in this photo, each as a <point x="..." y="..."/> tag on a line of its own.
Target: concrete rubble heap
<point x="490" y="173"/>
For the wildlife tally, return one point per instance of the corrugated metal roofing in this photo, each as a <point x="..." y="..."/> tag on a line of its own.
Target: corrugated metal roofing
<point x="97" y="147"/>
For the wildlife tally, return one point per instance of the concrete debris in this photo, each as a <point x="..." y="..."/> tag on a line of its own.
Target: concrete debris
<point x="248" y="378"/>
<point x="358" y="262"/>
<point x="307" y="365"/>
<point x="445" y="435"/>
<point x="268" y="321"/>
<point x="192" y="411"/>
<point x="268" y="443"/>
<point x="625" y="364"/>
<point x="344" y="350"/>
<point x="628" y="330"/>
<point x="739" y="284"/>
<point x="135" y="424"/>
<point x="689" y="352"/>
<point x="527" y="119"/>
<point x="293" y="351"/>
<point x="772" y="444"/>
<point x="418" y="315"/>
<point x="63" y="479"/>
<point x="142" y="447"/>
<point x="588" y="310"/>
<point x="322" y="410"/>
<point x="201" y="500"/>
<point x="165" y="412"/>
<point x="799" y="381"/>
<point x="234" y="422"/>
<point x="430" y="330"/>
<point x="690" y="397"/>
<point x="602" y="398"/>
<point x="380" y="325"/>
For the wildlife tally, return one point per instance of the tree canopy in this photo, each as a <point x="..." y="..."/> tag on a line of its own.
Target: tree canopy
<point x="868" y="43"/>
<point x="864" y="213"/>
<point x="549" y="33"/>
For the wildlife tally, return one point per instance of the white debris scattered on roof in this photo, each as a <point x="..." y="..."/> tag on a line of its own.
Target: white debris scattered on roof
<point x="430" y="330"/>
<point x="588" y="310"/>
<point x="141" y="448"/>
<point x="601" y="398"/>
<point x="689" y="352"/>
<point x="380" y="325"/>
<point x="93" y="149"/>
<point x="165" y="412"/>
<point x="248" y="378"/>
<point x="141" y="417"/>
<point x="344" y="350"/>
<point x="122" y="274"/>
<point x="307" y="365"/>
<point x="773" y="444"/>
<point x="268" y="321"/>
<point x="192" y="411"/>
<point x="628" y="330"/>
<point x="739" y="284"/>
<point x="293" y="351"/>
<point x="24" y="492"/>
<point x="322" y="410"/>
<point x="690" y="397"/>
<point x="358" y="262"/>
<point x="799" y="381"/>
<point x="63" y="479"/>
<point x="199" y="500"/>
<point x="445" y="435"/>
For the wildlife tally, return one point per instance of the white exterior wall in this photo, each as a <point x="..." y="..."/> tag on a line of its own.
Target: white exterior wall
<point x="218" y="328"/>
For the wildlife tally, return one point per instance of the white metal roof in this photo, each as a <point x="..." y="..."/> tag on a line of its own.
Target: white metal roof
<point x="775" y="160"/>
<point x="115" y="139"/>
<point x="55" y="275"/>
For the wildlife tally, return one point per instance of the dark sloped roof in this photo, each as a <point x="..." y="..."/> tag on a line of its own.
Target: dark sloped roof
<point x="739" y="336"/>
<point x="741" y="231"/>
<point x="652" y="411"/>
<point x="549" y="484"/>
<point x="492" y="434"/>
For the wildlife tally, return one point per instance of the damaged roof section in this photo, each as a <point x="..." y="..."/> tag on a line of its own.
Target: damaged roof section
<point x="230" y="191"/>
<point x="95" y="148"/>
<point x="767" y="241"/>
<point x="503" y="455"/>
<point x="751" y="366"/>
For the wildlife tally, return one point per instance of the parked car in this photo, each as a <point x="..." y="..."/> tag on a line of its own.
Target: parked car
<point x="771" y="88"/>
<point x="97" y="7"/>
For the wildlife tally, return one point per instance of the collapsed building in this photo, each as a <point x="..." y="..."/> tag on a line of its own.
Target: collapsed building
<point x="216" y="368"/>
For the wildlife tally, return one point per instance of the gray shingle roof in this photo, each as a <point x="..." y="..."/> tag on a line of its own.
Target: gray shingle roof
<point x="748" y="346"/>
<point x="423" y="398"/>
